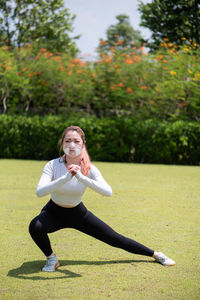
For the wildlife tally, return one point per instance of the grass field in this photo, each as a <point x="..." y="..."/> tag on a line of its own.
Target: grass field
<point x="157" y="205"/>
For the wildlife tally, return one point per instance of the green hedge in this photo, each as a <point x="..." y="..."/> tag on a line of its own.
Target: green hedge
<point x="120" y="139"/>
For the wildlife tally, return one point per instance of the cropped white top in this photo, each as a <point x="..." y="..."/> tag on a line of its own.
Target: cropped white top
<point x="66" y="189"/>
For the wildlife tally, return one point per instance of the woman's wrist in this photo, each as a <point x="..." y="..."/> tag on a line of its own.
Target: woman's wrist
<point x="79" y="175"/>
<point x="67" y="176"/>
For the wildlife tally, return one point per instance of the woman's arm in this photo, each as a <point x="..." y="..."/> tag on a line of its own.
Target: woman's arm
<point x="46" y="185"/>
<point x="97" y="183"/>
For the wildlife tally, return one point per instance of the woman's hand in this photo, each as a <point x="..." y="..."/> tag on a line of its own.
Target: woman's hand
<point x="73" y="169"/>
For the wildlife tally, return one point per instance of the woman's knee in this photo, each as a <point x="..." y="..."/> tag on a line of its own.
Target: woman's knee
<point x="35" y="226"/>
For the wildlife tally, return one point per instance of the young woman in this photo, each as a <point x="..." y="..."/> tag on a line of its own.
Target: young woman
<point x="66" y="179"/>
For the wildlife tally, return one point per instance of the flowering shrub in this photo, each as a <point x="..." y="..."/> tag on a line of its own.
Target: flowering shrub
<point x="164" y="85"/>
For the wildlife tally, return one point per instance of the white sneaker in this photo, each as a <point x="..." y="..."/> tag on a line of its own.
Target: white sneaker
<point x="52" y="264"/>
<point x="164" y="260"/>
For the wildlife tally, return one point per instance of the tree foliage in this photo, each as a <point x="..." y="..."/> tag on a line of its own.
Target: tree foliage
<point x="121" y="35"/>
<point x="43" y="23"/>
<point x="177" y="20"/>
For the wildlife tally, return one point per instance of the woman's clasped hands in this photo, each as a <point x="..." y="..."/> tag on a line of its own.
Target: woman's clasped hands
<point x="73" y="169"/>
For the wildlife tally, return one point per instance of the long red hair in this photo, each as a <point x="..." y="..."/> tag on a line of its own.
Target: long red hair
<point x="85" y="159"/>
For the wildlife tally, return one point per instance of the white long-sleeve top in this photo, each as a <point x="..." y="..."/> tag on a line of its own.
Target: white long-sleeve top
<point x="66" y="189"/>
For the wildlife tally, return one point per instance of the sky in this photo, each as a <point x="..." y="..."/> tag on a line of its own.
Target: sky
<point x="93" y="17"/>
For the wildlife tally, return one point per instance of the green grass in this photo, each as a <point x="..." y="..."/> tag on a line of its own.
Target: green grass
<point x="157" y="205"/>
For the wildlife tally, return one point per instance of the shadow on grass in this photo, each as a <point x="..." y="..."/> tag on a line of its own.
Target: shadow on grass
<point x="28" y="270"/>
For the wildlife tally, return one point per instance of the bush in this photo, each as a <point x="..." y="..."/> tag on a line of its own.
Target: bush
<point x="163" y="85"/>
<point x="120" y="139"/>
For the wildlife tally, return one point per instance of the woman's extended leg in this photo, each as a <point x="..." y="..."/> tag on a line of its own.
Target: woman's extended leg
<point x="93" y="226"/>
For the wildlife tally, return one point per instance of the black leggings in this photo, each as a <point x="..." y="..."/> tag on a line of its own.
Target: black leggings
<point x="54" y="217"/>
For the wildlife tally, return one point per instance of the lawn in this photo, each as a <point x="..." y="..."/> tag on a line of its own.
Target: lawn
<point x="157" y="205"/>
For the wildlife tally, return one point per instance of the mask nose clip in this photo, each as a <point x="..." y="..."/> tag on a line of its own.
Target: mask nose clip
<point x="72" y="145"/>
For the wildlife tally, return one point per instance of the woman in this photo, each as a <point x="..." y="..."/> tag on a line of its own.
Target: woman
<point x="66" y="179"/>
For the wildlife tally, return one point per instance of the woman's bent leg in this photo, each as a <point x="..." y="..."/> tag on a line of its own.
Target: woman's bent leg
<point x="39" y="227"/>
<point x="93" y="226"/>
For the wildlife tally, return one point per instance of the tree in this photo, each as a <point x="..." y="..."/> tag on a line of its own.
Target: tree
<point x="176" y="20"/>
<point x="43" y="23"/>
<point x="122" y="35"/>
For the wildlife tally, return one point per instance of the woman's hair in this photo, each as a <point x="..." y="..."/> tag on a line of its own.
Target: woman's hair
<point x="85" y="159"/>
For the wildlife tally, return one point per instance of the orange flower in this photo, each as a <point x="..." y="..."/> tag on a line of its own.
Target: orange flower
<point x="144" y="87"/>
<point x="70" y="72"/>
<point x="30" y="75"/>
<point x="83" y="64"/>
<point x="129" y="61"/>
<point x="165" y="61"/>
<point x="108" y="59"/>
<point x="24" y="69"/>
<point x="58" y="58"/>
<point x="76" y="61"/>
<point x="129" y="90"/>
<point x="94" y="75"/>
<point x="137" y="59"/>
<point x="36" y="58"/>
<point x="60" y="69"/>
<point x="116" y="35"/>
<point x="43" y="50"/>
<point x="141" y="49"/>
<point x="120" y="42"/>
<point x="70" y="66"/>
<point x="115" y="66"/>
<point x="102" y="42"/>
<point x="166" y="39"/>
<point x="120" y="84"/>
<point x="182" y="104"/>
<point x="159" y="57"/>
<point x="82" y="81"/>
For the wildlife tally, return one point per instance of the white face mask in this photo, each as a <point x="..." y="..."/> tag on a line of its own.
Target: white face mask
<point x="72" y="146"/>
